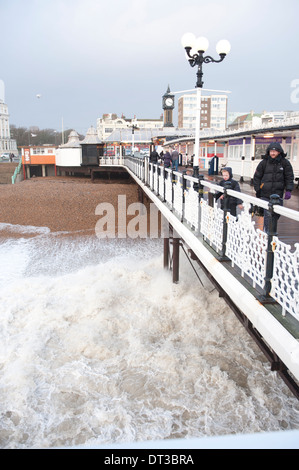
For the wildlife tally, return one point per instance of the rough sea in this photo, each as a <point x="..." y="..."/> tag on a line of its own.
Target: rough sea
<point x="99" y="347"/>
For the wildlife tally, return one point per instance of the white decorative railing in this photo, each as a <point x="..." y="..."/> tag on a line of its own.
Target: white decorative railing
<point x="262" y="259"/>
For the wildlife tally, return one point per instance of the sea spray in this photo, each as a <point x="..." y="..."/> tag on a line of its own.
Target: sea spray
<point x="98" y="346"/>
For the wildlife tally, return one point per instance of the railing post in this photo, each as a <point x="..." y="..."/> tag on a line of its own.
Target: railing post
<point x="153" y="181"/>
<point x="199" y="188"/>
<point x="273" y="219"/>
<point x="164" y="184"/>
<point x="158" y="179"/>
<point x="146" y="171"/>
<point x="184" y="186"/>
<point x="172" y="190"/>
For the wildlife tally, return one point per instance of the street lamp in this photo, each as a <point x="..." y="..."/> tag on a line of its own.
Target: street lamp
<point x="134" y="127"/>
<point x="195" y="49"/>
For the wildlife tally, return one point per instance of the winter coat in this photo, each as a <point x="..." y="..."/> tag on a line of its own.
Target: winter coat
<point x="232" y="202"/>
<point x="273" y="175"/>
<point x="167" y="160"/>
<point x="154" y="156"/>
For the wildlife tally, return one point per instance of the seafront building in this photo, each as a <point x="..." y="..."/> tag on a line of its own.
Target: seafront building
<point x="109" y="123"/>
<point x="7" y="145"/>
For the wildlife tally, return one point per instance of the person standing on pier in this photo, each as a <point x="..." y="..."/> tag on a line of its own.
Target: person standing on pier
<point x="154" y="156"/>
<point x="227" y="175"/>
<point x="273" y="175"/>
<point x="175" y="159"/>
<point x="167" y="160"/>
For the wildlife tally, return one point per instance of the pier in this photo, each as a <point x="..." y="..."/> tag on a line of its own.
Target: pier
<point x="257" y="274"/>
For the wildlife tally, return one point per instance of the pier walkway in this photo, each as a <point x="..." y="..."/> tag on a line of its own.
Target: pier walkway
<point x="257" y="274"/>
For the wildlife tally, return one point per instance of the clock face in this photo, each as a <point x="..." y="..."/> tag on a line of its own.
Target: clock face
<point x="169" y="101"/>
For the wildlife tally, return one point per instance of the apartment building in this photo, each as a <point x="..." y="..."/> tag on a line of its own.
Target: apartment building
<point x="213" y="113"/>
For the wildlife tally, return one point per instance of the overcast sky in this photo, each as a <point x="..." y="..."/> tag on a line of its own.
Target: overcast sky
<point x="89" y="57"/>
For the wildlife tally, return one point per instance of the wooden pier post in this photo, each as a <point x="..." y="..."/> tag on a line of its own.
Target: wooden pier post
<point x="166" y="252"/>
<point x="175" y="259"/>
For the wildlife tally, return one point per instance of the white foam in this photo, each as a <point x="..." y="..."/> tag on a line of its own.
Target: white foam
<point x="25" y="229"/>
<point x="98" y="346"/>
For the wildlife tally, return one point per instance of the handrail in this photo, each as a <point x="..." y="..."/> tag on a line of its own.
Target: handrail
<point x="16" y="172"/>
<point x="263" y="259"/>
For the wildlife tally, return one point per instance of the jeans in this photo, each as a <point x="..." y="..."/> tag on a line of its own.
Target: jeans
<point x="267" y="216"/>
<point x="175" y="164"/>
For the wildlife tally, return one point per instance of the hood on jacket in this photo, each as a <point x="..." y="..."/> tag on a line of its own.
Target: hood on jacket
<point x="275" y="146"/>
<point x="230" y="171"/>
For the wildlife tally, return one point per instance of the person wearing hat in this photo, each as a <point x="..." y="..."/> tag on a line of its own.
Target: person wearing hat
<point x="273" y="175"/>
<point x="232" y="202"/>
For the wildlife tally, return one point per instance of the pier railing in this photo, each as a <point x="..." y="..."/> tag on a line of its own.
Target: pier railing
<point x="267" y="263"/>
<point x="16" y="172"/>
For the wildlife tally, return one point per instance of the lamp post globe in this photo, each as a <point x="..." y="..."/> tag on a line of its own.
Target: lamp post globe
<point x="201" y="44"/>
<point x="188" y="40"/>
<point x="223" y="47"/>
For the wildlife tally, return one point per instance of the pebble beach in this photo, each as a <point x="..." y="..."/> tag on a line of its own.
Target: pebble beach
<point x="62" y="204"/>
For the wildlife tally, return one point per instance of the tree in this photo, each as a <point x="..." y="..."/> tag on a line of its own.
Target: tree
<point x="35" y="136"/>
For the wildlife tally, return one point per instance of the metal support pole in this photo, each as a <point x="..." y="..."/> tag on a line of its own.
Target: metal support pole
<point x="166" y="253"/>
<point x="164" y="188"/>
<point x="175" y="259"/>
<point x="184" y="186"/>
<point x="172" y="190"/>
<point x="158" y="178"/>
<point x="242" y="169"/>
<point x="197" y="133"/>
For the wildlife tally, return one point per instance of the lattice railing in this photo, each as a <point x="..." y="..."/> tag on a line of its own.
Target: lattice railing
<point x="285" y="280"/>
<point x="235" y="238"/>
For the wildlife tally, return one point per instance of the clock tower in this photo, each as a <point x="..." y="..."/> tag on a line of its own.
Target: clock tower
<point x="168" y="106"/>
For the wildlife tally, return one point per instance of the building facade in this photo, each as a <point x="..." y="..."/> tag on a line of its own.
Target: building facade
<point x="213" y="113"/>
<point x="243" y="148"/>
<point x="7" y="145"/>
<point x="109" y="123"/>
<point x="39" y="160"/>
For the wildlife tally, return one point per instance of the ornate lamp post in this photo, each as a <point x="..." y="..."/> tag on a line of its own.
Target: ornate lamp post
<point x="195" y="49"/>
<point x="134" y="126"/>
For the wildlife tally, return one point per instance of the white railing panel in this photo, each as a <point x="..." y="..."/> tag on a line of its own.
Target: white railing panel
<point x="211" y="224"/>
<point x="177" y="195"/>
<point x="192" y="208"/>
<point x="246" y="246"/>
<point x="285" y="280"/>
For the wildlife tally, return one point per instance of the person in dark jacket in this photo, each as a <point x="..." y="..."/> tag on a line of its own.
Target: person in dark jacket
<point x="233" y="202"/>
<point x="154" y="156"/>
<point x="273" y="175"/>
<point x="167" y="160"/>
